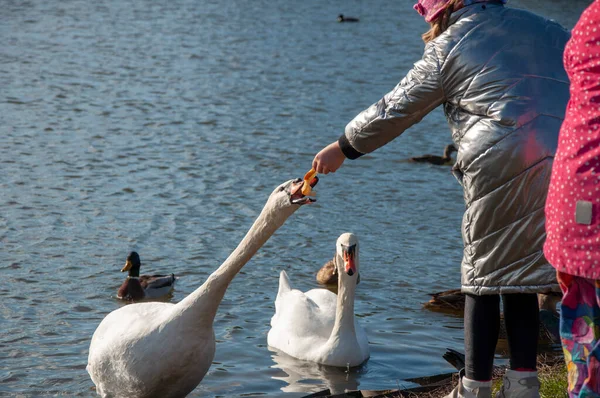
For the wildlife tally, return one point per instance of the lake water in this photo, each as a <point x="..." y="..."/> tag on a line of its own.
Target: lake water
<point x="162" y="127"/>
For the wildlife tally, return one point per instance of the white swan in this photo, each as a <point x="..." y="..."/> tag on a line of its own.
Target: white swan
<point x="318" y="325"/>
<point x="163" y="349"/>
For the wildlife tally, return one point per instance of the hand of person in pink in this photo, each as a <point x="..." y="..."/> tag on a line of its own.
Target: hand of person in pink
<point x="329" y="159"/>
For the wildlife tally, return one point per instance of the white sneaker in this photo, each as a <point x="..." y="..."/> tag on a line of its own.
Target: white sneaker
<point x="468" y="388"/>
<point x="519" y="385"/>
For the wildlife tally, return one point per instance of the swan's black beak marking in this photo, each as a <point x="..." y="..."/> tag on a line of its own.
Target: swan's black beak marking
<point x="296" y="196"/>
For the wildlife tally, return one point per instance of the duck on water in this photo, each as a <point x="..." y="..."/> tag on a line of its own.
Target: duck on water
<point x="453" y="301"/>
<point x="138" y="287"/>
<point x="342" y="18"/>
<point x="446" y="159"/>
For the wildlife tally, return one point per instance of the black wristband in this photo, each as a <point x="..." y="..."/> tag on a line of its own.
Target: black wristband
<point x="348" y="149"/>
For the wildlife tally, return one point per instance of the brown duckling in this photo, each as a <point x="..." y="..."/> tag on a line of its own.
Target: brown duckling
<point x="137" y="287"/>
<point x="437" y="160"/>
<point x="327" y="275"/>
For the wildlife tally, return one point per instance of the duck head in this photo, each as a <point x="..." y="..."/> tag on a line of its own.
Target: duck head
<point x="449" y="149"/>
<point x="346" y="258"/>
<point x="132" y="264"/>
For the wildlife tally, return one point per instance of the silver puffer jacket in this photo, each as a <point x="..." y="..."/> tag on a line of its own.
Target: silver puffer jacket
<point x="498" y="72"/>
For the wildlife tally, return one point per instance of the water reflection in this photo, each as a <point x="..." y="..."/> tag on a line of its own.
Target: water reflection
<point x="310" y="377"/>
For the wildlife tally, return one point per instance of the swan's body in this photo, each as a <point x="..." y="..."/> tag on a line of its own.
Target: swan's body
<point x="319" y="326"/>
<point x="164" y="350"/>
<point x="435" y="159"/>
<point x="138" y="287"/>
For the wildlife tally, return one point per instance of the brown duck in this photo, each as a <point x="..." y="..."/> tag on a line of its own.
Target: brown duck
<point x="437" y="160"/>
<point x="453" y="301"/>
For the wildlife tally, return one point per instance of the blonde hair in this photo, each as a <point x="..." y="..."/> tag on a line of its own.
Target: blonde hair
<point x="440" y="24"/>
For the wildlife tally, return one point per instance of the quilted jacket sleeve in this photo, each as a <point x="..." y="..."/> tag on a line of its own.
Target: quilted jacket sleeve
<point x="414" y="97"/>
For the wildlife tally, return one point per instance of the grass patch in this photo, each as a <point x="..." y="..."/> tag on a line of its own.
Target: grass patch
<point x="551" y="372"/>
<point x="554" y="380"/>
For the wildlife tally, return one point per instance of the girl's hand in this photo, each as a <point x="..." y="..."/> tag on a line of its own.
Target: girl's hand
<point x="329" y="159"/>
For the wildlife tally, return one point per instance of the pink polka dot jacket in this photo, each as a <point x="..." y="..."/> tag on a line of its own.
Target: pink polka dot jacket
<point x="573" y="203"/>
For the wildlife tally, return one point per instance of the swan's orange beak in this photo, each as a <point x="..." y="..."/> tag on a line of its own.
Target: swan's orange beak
<point x="349" y="263"/>
<point x="296" y="195"/>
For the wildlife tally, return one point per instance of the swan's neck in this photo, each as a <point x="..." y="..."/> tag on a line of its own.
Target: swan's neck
<point x="203" y="303"/>
<point x="344" y="312"/>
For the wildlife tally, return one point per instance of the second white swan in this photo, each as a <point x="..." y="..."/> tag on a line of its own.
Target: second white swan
<point x="319" y="326"/>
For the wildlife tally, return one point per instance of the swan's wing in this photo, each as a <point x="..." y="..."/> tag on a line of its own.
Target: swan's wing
<point x="284" y="283"/>
<point x="324" y="299"/>
<point x="298" y="315"/>
<point x="284" y="288"/>
<point x="313" y="303"/>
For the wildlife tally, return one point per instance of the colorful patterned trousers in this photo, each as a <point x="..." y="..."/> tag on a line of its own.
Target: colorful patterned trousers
<point x="580" y="334"/>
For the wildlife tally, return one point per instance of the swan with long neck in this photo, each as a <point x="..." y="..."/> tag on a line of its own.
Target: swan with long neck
<point x="319" y="326"/>
<point x="163" y="349"/>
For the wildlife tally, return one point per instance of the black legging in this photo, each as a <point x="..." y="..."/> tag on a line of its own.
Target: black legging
<point x="482" y="323"/>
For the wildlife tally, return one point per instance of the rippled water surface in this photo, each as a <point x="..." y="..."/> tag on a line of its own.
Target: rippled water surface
<point x="162" y="127"/>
